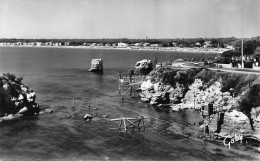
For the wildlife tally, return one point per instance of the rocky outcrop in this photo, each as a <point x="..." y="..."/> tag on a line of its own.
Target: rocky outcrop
<point x="155" y="93"/>
<point x="16" y="99"/>
<point x="164" y="86"/>
<point x="236" y="95"/>
<point x="96" y="65"/>
<point x="144" y="66"/>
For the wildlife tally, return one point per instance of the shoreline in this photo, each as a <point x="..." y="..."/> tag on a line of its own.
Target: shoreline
<point x="163" y="49"/>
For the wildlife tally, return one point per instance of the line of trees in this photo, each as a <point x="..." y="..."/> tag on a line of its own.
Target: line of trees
<point x="251" y="47"/>
<point x="184" y="42"/>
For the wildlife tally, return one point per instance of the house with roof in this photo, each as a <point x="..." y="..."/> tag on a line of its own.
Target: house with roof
<point x="122" y="45"/>
<point x="197" y="44"/>
<point x="107" y="45"/>
<point x="155" y="45"/>
<point x="207" y="44"/>
<point x="174" y="44"/>
<point x="94" y="44"/>
<point x="231" y="47"/>
<point x="138" y="44"/>
<point x="146" y="44"/>
<point x="39" y="44"/>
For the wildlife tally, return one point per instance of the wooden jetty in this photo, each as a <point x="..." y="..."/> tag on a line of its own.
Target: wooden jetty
<point x="126" y="123"/>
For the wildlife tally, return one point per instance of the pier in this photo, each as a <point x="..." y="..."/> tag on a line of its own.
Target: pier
<point x="129" y="82"/>
<point x="126" y="123"/>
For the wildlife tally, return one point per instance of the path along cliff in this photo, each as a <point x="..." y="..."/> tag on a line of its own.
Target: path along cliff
<point x="234" y="96"/>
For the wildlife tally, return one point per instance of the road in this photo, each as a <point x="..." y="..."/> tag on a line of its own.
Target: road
<point x="231" y="70"/>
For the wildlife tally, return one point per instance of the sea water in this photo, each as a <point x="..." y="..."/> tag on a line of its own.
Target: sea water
<point x="58" y="75"/>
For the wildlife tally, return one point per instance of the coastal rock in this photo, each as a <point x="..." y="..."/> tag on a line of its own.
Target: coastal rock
<point x="24" y="88"/>
<point x="87" y="117"/>
<point x="31" y="97"/>
<point x="176" y="107"/>
<point x="159" y="98"/>
<point x="147" y="85"/>
<point x="236" y="117"/>
<point x="144" y="66"/>
<point x="234" y="94"/>
<point x="176" y="94"/>
<point x="16" y="98"/>
<point x="144" y="99"/>
<point x="234" y="123"/>
<point x="7" y="88"/>
<point x="255" y="116"/>
<point x="96" y="65"/>
<point x="159" y="87"/>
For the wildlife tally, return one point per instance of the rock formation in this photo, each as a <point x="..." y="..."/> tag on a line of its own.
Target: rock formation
<point x="96" y="65"/>
<point x="144" y="66"/>
<point x="236" y="94"/>
<point x="16" y="99"/>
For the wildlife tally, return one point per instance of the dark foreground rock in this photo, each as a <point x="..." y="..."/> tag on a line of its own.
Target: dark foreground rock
<point x="16" y="98"/>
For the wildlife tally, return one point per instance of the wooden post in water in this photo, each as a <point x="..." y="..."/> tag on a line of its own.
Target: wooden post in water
<point x="124" y="124"/>
<point x="73" y="103"/>
<point x="130" y="79"/>
<point x="119" y="83"/>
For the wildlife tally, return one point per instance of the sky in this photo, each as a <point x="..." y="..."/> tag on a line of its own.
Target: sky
<point x="89" y="19"/>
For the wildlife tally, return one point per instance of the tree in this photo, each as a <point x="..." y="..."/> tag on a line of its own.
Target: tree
<point x="231" y="53"/>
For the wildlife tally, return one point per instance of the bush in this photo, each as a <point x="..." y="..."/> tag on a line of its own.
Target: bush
<point x="231" y="53"/>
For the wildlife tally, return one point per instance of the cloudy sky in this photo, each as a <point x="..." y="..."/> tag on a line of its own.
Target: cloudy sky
<point x="129" y="18"/>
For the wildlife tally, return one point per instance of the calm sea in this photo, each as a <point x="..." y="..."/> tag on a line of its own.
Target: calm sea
<point x="60" y="74"/>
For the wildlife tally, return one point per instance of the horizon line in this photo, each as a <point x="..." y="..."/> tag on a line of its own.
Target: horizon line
<point x="134" y="38"/>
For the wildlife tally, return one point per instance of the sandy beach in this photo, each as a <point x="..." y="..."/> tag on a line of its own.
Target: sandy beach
<point x="166" y="49"/>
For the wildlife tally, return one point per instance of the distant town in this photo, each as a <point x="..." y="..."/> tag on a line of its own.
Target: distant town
<point x="232" y="45"/>
<point x="180" y="45"/>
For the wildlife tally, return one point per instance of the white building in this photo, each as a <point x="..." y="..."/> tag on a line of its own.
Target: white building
<point x="56" y="44"/>
<point x="138" y="44"/>
<point x="146" y="44"/>
<point x="122" y="45"/>
<point x="207" y="44"/>
<point x="66" y="43"/>
<point x="39" y="43"/>
<point x="174" y="44"/>
<point x="197" y="44"/>
<point x="230" y="47"/>
<point x="94" y="44"/>
<point x="155" y="45"/>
